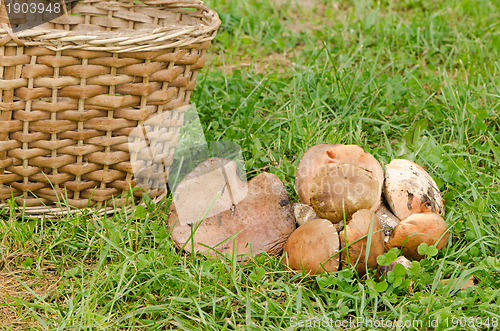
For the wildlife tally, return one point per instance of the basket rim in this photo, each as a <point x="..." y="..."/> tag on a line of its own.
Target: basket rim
<point x="117" y="41"/>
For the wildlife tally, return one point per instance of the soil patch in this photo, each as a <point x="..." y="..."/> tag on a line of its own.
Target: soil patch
<point x="25" y="285"/>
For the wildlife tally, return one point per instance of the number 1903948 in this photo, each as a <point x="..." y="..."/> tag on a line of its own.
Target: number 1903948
<point x="32" y="7"/>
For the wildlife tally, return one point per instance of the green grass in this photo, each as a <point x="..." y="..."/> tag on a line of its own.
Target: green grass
<point x="403" y="79"/>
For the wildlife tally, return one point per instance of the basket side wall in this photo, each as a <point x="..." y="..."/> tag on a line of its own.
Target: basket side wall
<point x="65" y="117"/>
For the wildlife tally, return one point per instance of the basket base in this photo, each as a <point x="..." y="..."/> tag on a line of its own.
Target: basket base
<point x="58" y="212"/>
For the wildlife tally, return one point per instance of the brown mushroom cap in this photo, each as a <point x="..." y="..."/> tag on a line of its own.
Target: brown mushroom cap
<point x="417" y="229"/>
<point x="338" y="187"/>
<point x="322" y="154"/>
<point x="262" y="219"/>
<point x="409" y="189"/>
<point x="357" y="228"/>
<point x="313" y="247"/>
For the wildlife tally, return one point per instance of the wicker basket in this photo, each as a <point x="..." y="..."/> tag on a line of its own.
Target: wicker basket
<point x="73" y="89"/>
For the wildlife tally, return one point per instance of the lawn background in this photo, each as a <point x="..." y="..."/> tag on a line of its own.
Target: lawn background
<point x="403" y="79"/>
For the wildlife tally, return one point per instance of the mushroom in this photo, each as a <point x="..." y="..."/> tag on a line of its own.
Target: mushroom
<point x="409" y="189"/>
<point x="383" y="269"/>
<point x="303" y="213"/>
<point x="343" y="188"/>
<point x="214" y="177"/>
<point x="313" y="247"/>
<point x="257" y="217"/>
<point x="455" y="283"/>
<point x="355" y="238"/>
<point x="417" y="229"/>
<point x="387" y="219"/>
<point x="317" y="156"/>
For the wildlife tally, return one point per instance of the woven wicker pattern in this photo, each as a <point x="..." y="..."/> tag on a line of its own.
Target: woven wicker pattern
<point x="68" y="104"/>
<point x="3" y="14"/>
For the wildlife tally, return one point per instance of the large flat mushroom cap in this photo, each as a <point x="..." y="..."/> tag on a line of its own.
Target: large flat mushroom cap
<point x="318" y="155"/>
<point x="261" y="221"/>
<point x="359" y="227"/>
<point x="417" y="229"/>
<point x="409" y="189"/>
<point x="209" y="189"/>
<point x="343" y="187"/>
<point x="313" y="247"/>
